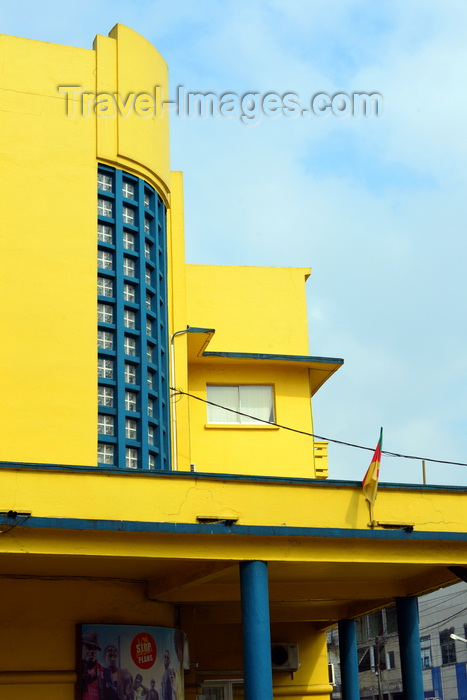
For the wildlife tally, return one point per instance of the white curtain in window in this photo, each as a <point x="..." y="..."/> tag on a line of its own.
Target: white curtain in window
<point x="256" y="401"/>
<point x="224" y="396"/>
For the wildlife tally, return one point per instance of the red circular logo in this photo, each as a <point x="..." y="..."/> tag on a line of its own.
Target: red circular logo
<point x="143" y="650"/>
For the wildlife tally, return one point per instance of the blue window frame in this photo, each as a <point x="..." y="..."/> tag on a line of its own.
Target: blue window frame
<point x="133" y="426"/>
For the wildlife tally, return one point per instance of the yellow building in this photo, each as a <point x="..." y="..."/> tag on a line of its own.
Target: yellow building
<point x="130" y="509"/>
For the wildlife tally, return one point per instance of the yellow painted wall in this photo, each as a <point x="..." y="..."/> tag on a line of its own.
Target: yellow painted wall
<point x="253" y="309"/>
<point x="48" y="247"/>
<point x="253" y="449"/>
<point x="38" y="656"/>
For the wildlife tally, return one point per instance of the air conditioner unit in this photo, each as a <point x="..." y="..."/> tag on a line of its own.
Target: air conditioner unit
<point x="332" y="674"/>
<point x="284" y="656"/>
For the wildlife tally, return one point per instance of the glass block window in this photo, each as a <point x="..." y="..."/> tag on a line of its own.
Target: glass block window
<point x="105" y="368"/>
<point x="131" y="458"/>
<point x="105" y="260"/>
<point x="131" y="429"/>
<point x="128" y="190"/>
<point x="104" y="233"/>
<point x="129" y="267"/>
<point x="105" y="424"/>
<point x="129" y="292"/>
<point x="105" y="396"/>
<point x="105" y="340"/>
<point x="129" y="345"/>
<point x="105" y="453"/>
<point x="130" y="374"/>
<point x="104" y="182"/>
<point x="104" y="207"/>
<point x="128" y="215"/>
<point x="130" y="400"/>
<point x="105" y="313"/>
<point x="105" y="287"/>
<point x="134" y="399"/>
<point x="128" y="240"/>
<point x="129" y="318"/>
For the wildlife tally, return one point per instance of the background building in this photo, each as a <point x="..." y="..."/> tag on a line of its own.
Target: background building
<point x="125" y="503"/>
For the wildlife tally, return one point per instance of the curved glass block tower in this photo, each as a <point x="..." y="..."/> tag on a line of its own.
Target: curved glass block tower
<point x="133" y="419"/>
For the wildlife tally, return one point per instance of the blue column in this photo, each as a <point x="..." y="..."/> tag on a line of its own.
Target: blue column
<point x="256" y="634"/>
<point x="409" y="645"/>
<point x="349" y="659"/>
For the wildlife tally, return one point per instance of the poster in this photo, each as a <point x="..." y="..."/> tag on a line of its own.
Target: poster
<point x="130" y="662"/>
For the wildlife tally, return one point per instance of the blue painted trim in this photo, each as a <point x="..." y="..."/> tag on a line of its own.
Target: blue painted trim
<point x="282" y="358"/>
<point x="193" y="329"/>
<point x="219" y="476"/>
<point x="225" y="527"/>
<point x="461" y="677"/>
<point x="436" y="682"/>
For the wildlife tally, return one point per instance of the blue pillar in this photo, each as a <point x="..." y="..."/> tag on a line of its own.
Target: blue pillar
<point x="409" y="645"/>
<point x="349" y="659"/>
<point x="256" y="634"/>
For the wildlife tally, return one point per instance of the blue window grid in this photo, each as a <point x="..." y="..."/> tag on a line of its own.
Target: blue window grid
<point x="155" y="213"/>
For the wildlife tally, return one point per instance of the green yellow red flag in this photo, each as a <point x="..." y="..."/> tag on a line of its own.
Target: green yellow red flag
<point x="370" y="482"/>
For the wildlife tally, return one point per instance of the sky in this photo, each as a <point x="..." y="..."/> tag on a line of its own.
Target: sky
<point x="374" y="205"/>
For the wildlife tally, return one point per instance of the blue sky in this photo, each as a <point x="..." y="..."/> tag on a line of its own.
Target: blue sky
<point x="376" y="207"/>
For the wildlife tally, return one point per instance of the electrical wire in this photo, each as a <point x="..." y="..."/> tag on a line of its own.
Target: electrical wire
<point x="179" y="392"/>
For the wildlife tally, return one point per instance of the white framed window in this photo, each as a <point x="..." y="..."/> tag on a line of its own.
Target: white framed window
<point x="254" y="400"/>
<point x="148" y="327"/>
<point x="130" y="373"/>
<point x="105" y="424"/>
<point x="105" y="368"/>
<point x="150" y="408"/>
<point x="128" y="190"/>
<point x="150" y="435"/>
<point x="129" y="345"/>
<point x="128" y="267"/>
<point x="147" y="275"/>
<point x="130" y="400"/>
<point x="104" y="207"/>
<point x="104" y="233"/>
<point x="148" y="301"/>
<point x="147" y="200"/>
<point x="105" y="396"/>
<point x="105" y="313"/>
<point x="151" y="461"/>
<point x="147" y="250"/>
<point x="104" y="182"/>
<point x="131" y="457"/>
<point x="105" y="287"/>
<point x="129" y="292"/>
<point x="147" y="225"/>
<point x="149" y="353"/>
<point x="128" y="240"/>
<point x="105" y="340"/>
<point x="128" y="215"/>
<point x="129" y="318"/>
<point x="150" y="380"/>
<point x="131" y="428"/>
<point x="105" y="259"/>
<point x="105" y="453"/>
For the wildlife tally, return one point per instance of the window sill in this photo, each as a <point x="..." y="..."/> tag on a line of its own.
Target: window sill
<point x="240" y="426"/>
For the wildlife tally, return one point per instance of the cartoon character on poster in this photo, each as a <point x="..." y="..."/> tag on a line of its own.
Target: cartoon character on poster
<point x="130" y="662"/>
